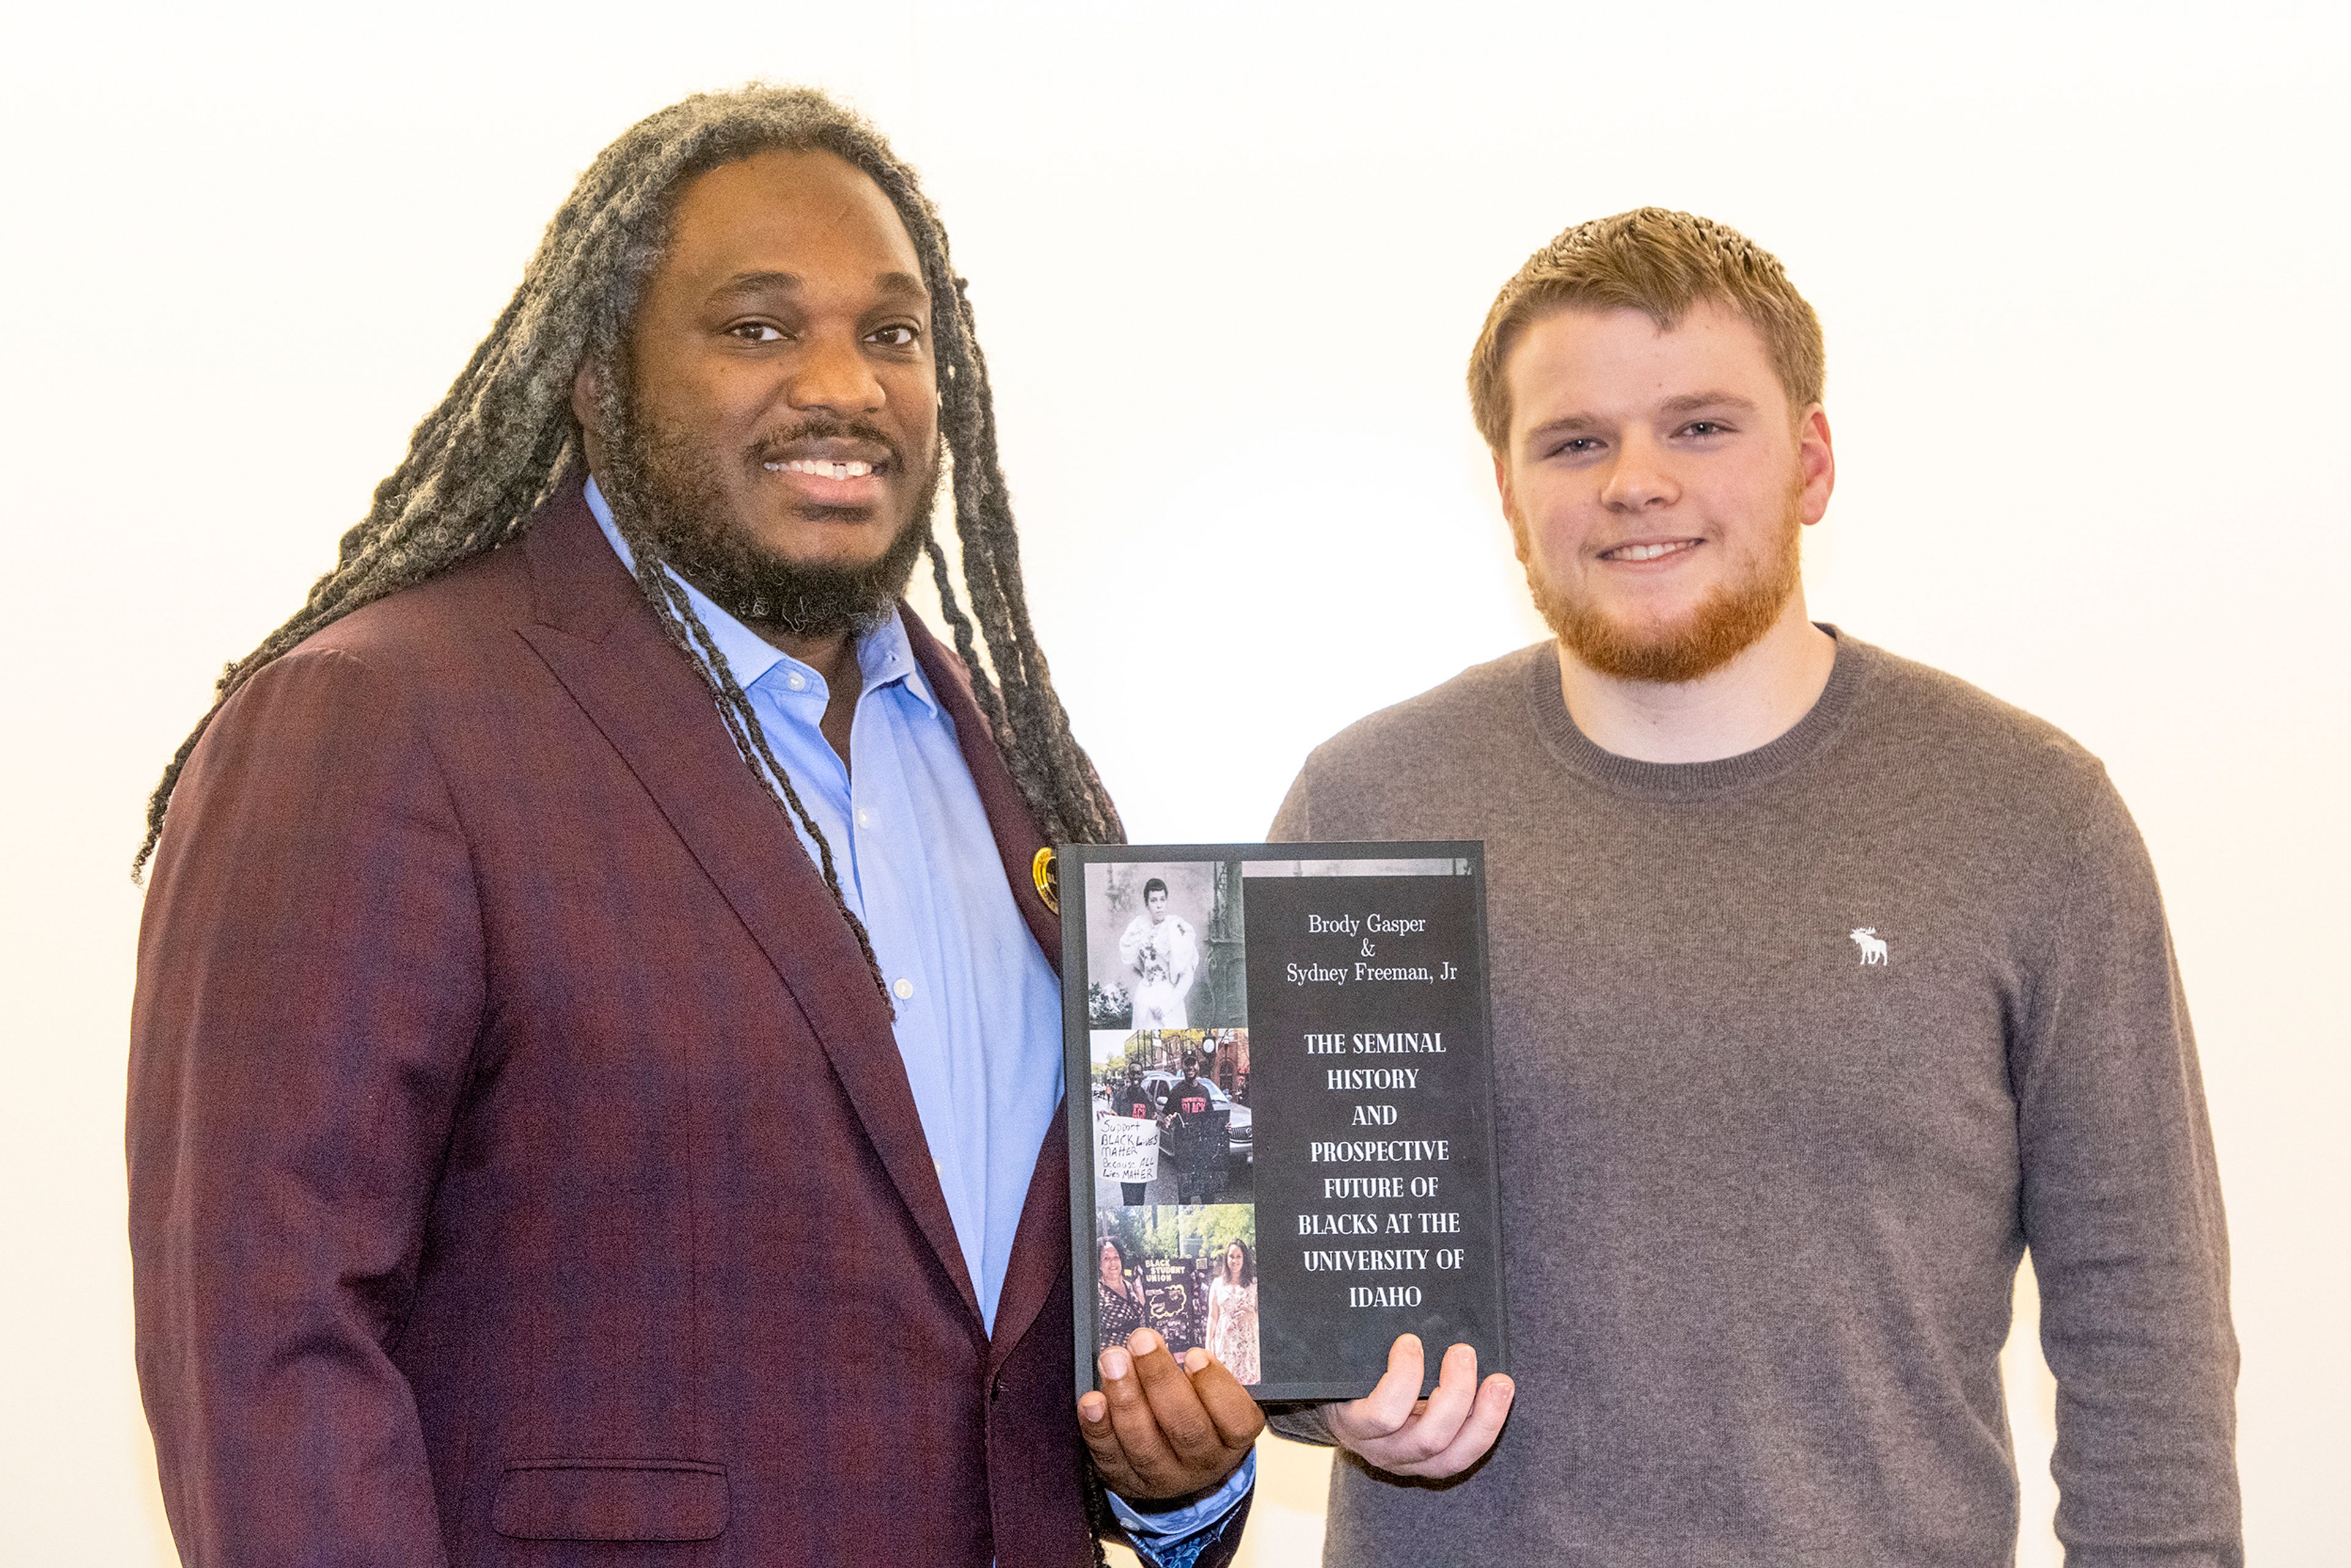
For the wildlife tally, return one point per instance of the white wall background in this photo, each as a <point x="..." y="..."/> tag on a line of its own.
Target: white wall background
<point x="2081" y="270"/>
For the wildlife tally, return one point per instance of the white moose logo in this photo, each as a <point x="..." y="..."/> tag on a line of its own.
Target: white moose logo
<point x="1872" y="946"/>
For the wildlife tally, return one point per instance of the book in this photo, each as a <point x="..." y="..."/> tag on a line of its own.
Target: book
<point x="1282" y="1129"/>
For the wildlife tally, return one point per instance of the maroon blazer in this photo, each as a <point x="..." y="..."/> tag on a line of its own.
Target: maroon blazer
<point x="522" y="1169"/>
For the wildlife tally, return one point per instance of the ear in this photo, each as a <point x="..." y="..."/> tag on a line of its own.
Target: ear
<point x="1816" y="463"/>
<point x="587" y="398"/>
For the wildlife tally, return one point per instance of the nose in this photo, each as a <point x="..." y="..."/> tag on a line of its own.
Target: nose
<point x="1640" y="478"/>
<point x="832" y="374"/>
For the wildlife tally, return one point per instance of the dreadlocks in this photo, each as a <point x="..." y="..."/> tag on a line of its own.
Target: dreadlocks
<point x="505" y="437"/>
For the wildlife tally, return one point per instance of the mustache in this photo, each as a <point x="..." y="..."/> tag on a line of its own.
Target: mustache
<point x="778" y="443"/>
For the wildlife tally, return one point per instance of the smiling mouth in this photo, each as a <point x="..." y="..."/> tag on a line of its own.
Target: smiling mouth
<point x="843" y="476"/>
<point x="819" y="468"/>
<point x="1654" y="551"/>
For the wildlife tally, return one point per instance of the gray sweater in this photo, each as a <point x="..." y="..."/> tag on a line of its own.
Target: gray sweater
<point x="1796" y="1053"/>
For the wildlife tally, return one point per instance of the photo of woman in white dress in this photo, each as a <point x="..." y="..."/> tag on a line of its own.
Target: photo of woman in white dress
<point x="1232" y="1313"/>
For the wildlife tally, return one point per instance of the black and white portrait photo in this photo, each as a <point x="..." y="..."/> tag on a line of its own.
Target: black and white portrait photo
<point x="1163" y="945"/>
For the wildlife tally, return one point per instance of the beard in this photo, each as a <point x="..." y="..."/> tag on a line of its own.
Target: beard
<point x="1730" y="619"/>
<point x="671" y="486"/>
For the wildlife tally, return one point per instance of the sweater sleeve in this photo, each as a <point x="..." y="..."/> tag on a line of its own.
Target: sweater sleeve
<point x="2121" y="1207"/>
<point x="1301" y="1423"/>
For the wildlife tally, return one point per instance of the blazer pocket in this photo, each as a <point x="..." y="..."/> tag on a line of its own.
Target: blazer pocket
<point x="611" y="1499"/>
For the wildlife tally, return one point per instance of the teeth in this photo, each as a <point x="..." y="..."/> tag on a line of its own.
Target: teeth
<point x="851" y="469"/>
<point x="1646" y="553"/>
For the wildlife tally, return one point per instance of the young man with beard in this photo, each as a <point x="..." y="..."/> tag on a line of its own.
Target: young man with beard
<point x="1825" y="985"/>
<point x="596" y="1074"/>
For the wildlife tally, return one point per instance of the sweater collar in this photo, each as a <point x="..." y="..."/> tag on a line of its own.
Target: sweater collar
<point x="1685" y="780"/>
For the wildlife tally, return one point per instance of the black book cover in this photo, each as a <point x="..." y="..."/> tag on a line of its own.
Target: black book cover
<point x="1282" y="1127"/>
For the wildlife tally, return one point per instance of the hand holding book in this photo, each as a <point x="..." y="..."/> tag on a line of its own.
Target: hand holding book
<point x="1161" y="1430"/>
<point x="1392" y="1429"/>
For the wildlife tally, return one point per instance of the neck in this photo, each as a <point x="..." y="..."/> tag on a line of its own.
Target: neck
<point x="1749" y="703"/>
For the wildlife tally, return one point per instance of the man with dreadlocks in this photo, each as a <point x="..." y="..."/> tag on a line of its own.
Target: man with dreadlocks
<point x="595" y="1074"/>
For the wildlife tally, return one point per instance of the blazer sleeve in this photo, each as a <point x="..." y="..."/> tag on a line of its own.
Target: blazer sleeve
<point x="310" y="984"/>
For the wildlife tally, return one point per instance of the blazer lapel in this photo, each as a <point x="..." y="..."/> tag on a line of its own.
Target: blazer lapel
<point x="601" y="641"/>
<point x="1041" y="1243"/>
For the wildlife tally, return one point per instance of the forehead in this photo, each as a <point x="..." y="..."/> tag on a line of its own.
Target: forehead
<point x="1618" y="363"/>
<point x="811" y="216"/>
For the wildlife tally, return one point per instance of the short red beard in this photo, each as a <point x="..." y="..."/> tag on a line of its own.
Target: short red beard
<point x="1726" y="623"/>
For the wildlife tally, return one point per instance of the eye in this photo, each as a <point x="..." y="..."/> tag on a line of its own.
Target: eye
<point x="1703" y="427"/>
<point x="1576" y="446"/>
<point x="897" y="336"/>
<point x="755" y="332"/>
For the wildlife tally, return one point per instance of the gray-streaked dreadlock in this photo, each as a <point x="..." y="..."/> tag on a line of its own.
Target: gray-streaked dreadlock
<point x="505" y="437"/>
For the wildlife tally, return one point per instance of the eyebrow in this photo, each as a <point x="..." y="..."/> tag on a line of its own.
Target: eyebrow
<point x="1690" y="403"/>
<point x="890" y="284"/>
<point x="1564" y="426"/>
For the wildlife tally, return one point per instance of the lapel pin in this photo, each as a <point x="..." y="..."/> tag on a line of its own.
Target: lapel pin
<point x="1047" y="870"/>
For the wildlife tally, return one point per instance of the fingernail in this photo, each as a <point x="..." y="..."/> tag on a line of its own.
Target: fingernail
<point x="1091" y="1406"/>
<point x="1143" y="1341"/>
<point x="1115" y="1365"/>
<point x="1196" y="1359"/>
<point x="1510" y="1389"/>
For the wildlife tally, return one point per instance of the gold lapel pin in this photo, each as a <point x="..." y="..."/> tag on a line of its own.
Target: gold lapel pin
<point x="1047" y="870"/>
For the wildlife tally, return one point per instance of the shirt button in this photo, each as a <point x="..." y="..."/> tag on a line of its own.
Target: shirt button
<point x="906" y="990"/>
<point x="865" y="817"/>
<point x="797" y="681"/>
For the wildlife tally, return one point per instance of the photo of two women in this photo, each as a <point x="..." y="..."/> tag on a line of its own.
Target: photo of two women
<point x="1187" y="1271"/>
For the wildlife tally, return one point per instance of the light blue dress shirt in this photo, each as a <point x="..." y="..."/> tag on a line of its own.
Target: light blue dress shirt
<point x="979" y="1008"/>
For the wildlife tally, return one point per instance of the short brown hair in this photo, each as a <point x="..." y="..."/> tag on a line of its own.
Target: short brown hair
<point x="1659" y="262"/>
